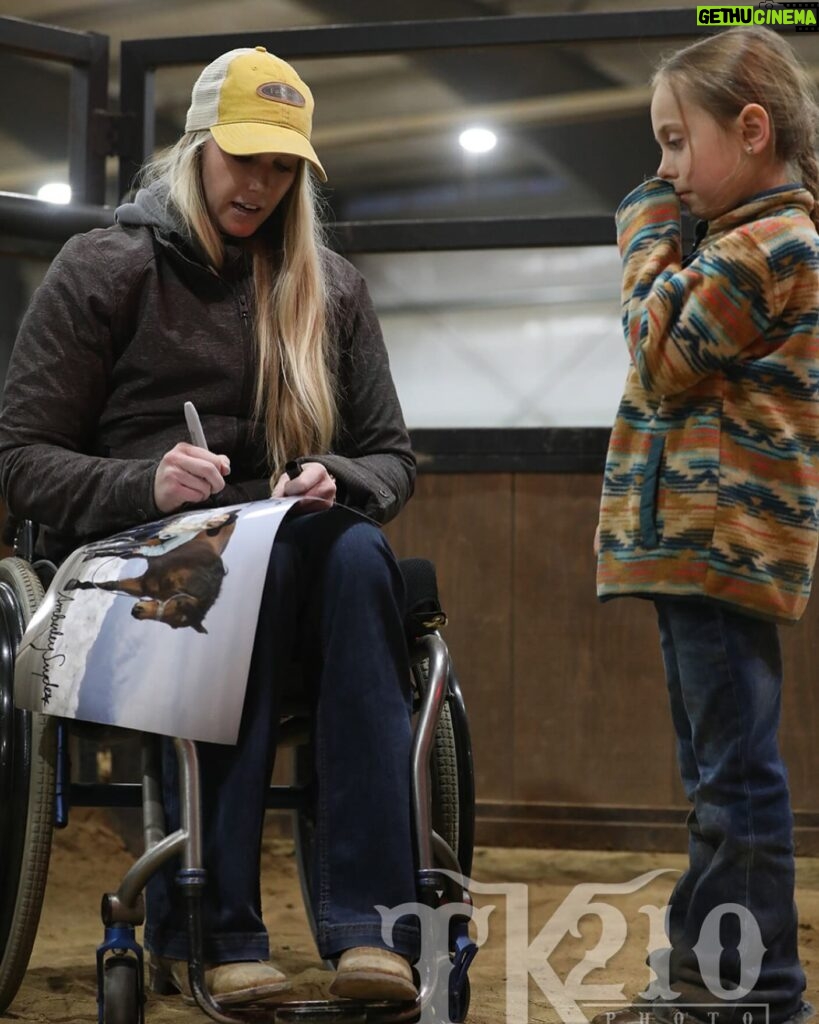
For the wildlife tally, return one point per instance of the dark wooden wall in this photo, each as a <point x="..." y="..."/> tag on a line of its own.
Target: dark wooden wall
<point x="566" y="696"/>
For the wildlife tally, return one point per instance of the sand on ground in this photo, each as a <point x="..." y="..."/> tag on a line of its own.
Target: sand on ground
<point x="564" y="936"/>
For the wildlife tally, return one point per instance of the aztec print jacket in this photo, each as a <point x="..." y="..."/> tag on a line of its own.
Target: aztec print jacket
<point x="712" y="475"/>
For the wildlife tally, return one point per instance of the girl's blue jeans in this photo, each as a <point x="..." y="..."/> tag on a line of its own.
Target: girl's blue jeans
<point x="331" y="616"/>
<point x="724" y="674"/>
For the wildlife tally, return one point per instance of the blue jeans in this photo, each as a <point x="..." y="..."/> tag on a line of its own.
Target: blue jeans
<point x="331" y="617"/>
<point x="724" y="675"/>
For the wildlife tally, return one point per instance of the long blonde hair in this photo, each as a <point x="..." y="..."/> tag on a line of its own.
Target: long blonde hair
<point x="295" y="380"/>
<point x="725" y="72"/>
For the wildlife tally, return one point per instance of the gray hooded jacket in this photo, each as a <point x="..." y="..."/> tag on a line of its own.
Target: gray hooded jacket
<point x="128" y="324"/>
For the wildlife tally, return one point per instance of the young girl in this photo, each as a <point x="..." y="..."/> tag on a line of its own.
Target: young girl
<point x="709" y="502"/>
<point x="213" y="287"/>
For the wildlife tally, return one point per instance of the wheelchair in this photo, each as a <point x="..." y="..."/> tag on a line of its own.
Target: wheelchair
<point x="36" y="792"/>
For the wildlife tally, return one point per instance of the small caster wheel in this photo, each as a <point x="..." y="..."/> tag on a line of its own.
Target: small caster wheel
<point x="121" y="991"/>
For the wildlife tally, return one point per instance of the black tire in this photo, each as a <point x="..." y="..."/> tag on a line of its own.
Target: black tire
<point x="453" y="785"/>
<point x="444" y="776"/>
<point x="27" y="773"/>
<point x="465" y="847"/>
<point x="121" y="995"/>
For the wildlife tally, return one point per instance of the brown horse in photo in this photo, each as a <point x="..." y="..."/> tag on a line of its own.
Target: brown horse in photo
<point x="179" y="586"/>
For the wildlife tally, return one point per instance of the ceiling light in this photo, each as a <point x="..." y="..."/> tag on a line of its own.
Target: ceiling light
<point x="55" y="192"/>
<point x="477" y="140"/>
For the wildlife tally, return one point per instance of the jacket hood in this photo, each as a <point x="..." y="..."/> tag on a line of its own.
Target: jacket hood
<point x="150" y="208"/>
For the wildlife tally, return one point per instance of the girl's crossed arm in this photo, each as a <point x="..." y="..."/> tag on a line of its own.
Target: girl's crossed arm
<point x="684" y="323"/>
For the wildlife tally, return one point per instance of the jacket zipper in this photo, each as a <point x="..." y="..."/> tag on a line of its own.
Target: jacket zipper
<point x="244" y="312"/>
<point x="248" y="371"/>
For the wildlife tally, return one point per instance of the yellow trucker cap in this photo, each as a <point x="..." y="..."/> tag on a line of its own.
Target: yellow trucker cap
<point x="253" y="102"/>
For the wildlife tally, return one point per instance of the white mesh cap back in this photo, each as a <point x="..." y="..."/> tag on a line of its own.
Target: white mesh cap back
<point x="204" y="109"/>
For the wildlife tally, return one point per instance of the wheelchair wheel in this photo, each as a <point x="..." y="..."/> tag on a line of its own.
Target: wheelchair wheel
<point x="453" y="785"/>
<point x="27" y="773"/>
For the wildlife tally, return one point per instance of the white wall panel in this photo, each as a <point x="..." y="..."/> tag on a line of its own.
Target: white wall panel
<point x="513" y="338"/>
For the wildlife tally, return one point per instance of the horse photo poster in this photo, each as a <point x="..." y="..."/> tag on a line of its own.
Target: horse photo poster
<point x="153" y="628"/>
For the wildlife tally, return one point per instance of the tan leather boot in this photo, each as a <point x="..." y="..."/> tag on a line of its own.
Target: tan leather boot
<point x="230" y="984"/>
<point x="367" y="972"/>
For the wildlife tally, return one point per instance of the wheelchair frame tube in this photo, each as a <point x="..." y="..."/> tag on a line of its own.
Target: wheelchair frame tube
<point x="190" y="802"/>
<point x="429" y="646"/>
<point x="153" y="813"/>
<point x="186" y="841"/>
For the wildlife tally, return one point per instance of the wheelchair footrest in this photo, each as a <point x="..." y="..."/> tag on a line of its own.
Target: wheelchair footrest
<point x="459" y="991"/>
<point x="348" y="1011"/>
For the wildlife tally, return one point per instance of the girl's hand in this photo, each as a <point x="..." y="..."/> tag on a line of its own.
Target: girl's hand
<point x="188" y="474"/>
<point x="313" y="482"/>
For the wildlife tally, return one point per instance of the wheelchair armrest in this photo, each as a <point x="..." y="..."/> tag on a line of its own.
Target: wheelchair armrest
<point x="422" y="611"/>
<point x="20" y="535"/>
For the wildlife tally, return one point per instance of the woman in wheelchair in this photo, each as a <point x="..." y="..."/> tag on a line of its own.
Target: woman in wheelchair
<point x="213" y="287"/>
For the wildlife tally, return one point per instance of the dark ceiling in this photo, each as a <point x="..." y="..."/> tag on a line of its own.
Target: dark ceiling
<point x="390" y="121"/>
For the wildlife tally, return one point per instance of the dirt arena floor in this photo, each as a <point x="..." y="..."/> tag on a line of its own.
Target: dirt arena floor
<point x="577" y="974"/>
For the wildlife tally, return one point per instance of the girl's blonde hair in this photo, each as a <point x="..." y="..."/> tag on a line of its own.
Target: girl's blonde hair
<point x="295" y="381"/>
<point x="725" y="72"/>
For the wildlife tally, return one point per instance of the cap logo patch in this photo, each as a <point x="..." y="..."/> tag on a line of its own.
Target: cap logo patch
<point x="281" y="93"/>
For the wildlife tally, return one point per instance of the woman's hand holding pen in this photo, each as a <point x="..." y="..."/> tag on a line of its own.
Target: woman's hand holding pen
<point x="312" y="482"/>
<point x="188" y="474"/>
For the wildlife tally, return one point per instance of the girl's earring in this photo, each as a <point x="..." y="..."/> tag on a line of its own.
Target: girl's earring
<point x="749" y="148"/>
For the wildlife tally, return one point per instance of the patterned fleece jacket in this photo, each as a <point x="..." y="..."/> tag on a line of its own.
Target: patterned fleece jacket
<point x="712" y="474"/>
